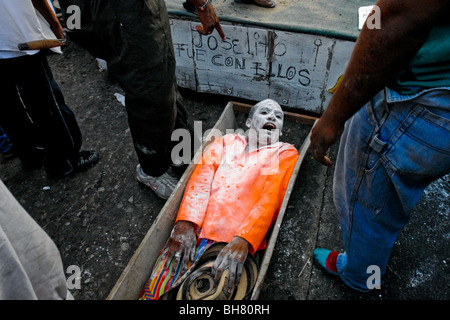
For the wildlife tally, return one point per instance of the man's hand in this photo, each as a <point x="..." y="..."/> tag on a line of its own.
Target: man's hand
<point x="208" y="18"/>
<point x="180" y="246"/>
<point x="232" y="256"/>
<point x="323" y="135"/>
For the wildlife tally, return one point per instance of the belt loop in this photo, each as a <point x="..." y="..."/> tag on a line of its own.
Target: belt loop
<point x="378" y="113"/>
<point x="387" y="108"/>
<point x="377" y="144"/>
<point x="370" y="107"/>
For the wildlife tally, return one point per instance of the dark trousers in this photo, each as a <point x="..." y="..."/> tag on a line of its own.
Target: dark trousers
<point x="36" y="119"/>
<point x="134" y="38"/>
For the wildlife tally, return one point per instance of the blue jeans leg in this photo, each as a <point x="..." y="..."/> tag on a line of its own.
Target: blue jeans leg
<point x="5" y="144"/>
<point x="388" y="155"/>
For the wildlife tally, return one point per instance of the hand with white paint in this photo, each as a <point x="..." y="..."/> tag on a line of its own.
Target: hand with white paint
<point x="181" y="246"/>
<point x="231" y="257"/>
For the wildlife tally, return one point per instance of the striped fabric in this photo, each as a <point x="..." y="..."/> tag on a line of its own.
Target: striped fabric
<point x="162" y="280"/>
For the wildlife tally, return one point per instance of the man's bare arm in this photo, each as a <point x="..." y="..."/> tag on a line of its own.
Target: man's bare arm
<point x="208" y="17"/>
<point x="379" y="55"/>
<point x="47" y="12"/>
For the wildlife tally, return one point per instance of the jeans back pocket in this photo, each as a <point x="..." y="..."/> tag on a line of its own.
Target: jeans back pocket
<point x="422" y="149"/>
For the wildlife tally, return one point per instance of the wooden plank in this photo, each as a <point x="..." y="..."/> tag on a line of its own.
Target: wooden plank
<point x="299" y="70"/>
<point x="300" y="118"/>
<point x="185" y="68"/>
<point x="255" y="63"/>
<point x="290" y="116"/>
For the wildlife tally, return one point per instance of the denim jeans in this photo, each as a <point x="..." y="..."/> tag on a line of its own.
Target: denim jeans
<point x="389" y="153"/>
<point x="5" y="143"/>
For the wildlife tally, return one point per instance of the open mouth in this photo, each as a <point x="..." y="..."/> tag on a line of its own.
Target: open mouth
<point x="269" y="126"/>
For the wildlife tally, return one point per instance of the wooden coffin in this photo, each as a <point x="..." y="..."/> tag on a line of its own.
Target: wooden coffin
<point x="137" y="272"/>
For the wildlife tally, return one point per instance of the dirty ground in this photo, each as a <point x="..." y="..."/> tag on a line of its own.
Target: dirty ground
<point x="98" y="218"/>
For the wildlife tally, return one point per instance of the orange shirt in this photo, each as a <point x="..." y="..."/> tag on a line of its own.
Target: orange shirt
<point x="231" y="193"/>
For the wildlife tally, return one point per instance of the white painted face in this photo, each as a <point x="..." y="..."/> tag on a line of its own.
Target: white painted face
<point x="267" y="121"/>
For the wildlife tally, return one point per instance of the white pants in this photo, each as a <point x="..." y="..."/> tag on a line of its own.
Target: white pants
<point x="30" y="263"/>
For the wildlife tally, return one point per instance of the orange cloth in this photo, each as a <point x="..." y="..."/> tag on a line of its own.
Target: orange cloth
<point x="235" y="194"/>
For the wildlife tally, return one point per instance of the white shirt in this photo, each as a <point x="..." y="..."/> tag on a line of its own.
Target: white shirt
<point x="21" y="22"/>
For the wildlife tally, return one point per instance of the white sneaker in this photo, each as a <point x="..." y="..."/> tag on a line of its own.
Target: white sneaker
<point x="162" y="185"/>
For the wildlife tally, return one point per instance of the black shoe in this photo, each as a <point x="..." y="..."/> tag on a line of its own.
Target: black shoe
<point x="87" y="160"/>
<point x="10" y="154"/>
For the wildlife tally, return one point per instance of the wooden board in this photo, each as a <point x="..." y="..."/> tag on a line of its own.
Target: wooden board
<point x="295" y="69"/>
<point x="137" y="272"/>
